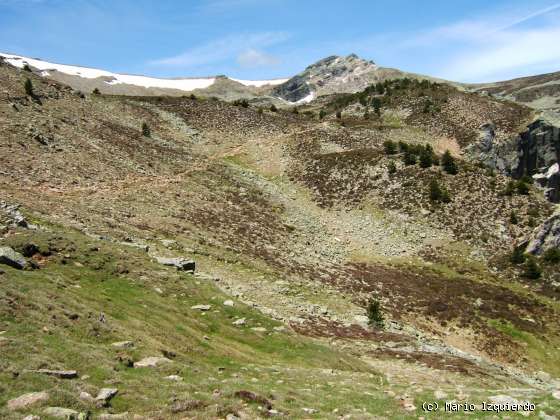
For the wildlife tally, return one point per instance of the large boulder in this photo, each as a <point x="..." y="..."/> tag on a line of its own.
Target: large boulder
<point x="151" y="362"/>
<point x="550" y="181"/>
<point x="28" y="400"/>
<point x="12" y="258"/>
<point x="545" y="236"/>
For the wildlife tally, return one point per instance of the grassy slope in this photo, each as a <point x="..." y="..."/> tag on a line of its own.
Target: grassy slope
<point x="37" y="304"/>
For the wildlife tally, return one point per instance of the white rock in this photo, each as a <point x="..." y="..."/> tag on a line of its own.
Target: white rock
<point x="259" y="329"/>
<point x="174" y="378"/>
<point x="27" y="400"/>
<point x="86" y="396"/>
<point x="239" y="322"/>
<point x="59" y="412"/>
<point x="556" y="394"/>
<point x="105" y="394"/>
<point x="202" y="307"/>
<point x="108" y="416"/>
<point x="228" y="303"/>
<point x="151" y="362"/>
<point x="123" y="344"/>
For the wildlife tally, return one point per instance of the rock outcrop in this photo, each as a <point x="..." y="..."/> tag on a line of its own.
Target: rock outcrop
<point x="333" y="74"/>
<point x="12" y="258"/>
<point x="545" y="236"/>
<point x="534" y="152"/>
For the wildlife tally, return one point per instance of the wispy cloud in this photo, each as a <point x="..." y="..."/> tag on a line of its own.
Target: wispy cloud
<point x="254" y="58"/>
<point x="242" y="47"/>
<point x="493" y="46"/>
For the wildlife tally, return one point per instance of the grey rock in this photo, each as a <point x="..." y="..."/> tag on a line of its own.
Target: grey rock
<point x="151" y="362"/>
<point x="123" y="344"/>
<point x="107" y="416"/>
<point x="32" y="417"/>
<point x="545" y="236"/>
<point x="12" y="258"/>
<point x="202" y="307"/>
<point x="106" y="394"/>
<point x="239" y="322"/>
<point x="62" y="374"/>
<point x="181" y="264"/>
<point x="62" y="413"/>
<point x="535" y="150"/>
<point x="228" y="303"/>
<point x="27" y="400"/>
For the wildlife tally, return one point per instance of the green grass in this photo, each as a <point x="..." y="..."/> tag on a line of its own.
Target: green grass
<point x="40" y="333"/>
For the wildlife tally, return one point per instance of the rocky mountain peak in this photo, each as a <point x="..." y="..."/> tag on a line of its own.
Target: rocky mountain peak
<point x="333" y="74"/>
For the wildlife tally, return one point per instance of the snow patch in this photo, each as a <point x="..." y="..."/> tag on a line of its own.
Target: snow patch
<point x="259" y="83"/>
<point x="554" y="169"/>
<point x="89" y="73"/>
<point x="306" y="100"/>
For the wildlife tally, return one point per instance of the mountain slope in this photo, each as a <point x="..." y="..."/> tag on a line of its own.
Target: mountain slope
<point x="336" y="74"/>
<point x="88" y="79"/>
<point x="541" y="92"/>
<point x="299" y="222"/>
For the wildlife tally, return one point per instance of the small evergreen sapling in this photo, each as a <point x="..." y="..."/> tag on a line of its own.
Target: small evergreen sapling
<point x="374" y="314"/>
<point x="448" y="163"/>
<point x="146" y="130"/>
<point x="532" y="269"/>
<point x="28" y="86"/>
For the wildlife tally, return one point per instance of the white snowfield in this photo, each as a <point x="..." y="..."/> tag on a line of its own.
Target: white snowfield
<point x="259" y="83"/>
<point x="185" y="84"/>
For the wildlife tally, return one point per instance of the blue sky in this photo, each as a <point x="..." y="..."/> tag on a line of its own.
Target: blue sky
<point x="461" y="40"/>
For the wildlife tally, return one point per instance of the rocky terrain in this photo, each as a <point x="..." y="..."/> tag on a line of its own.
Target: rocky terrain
<point x="185" y="257"/>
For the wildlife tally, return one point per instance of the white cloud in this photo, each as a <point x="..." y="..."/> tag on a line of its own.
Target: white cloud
<point x="234" y="46"/>
<point x="501" y="55"/>
<point x="493" y="47"/>
<point x="255" y="58"/>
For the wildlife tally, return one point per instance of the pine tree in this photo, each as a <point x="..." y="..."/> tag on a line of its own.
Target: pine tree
<point x="517" y="256"/>
<point x="435" y="191"/>
<point x="448" y="163"/>
<point x="532" y="269"/>
<point x="522" y="187"/>
<point x="409" y="158"/>
<point x="426" y="157"/>
<point x="392" y="168"/>
<point x="96" y="92"/>
<point x="376" y="103"/>
<point x="510" y="188"/>
<point x="322" y="114"/>
<point x="338" y="115"/>
<point x="390" y="147"/>
<point x="28" y="86"/>
<point x="146" y="130"/>
<point x="273" y="108"/>
<point x="375" y="314"/>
